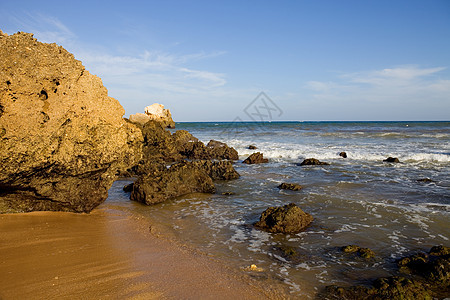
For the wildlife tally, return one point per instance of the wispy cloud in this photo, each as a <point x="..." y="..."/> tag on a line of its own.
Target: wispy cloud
<point x="400" y="83"/>
<point x="133" y="78"/>
<point x="47" y="29"/>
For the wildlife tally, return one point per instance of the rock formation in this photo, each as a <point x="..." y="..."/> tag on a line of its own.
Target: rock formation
<point x="62" y="138"/>
<point x="286" y="219"/>
<point x="155" y="112"/>
<point x="313" y="162"/>
<point x="343" y="154"/>
<point x="255" y="158"/>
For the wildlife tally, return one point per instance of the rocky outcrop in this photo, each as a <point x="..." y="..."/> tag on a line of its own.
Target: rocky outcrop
<point x="427" y="277"/>
<point x="286" y="219"/>
<point x="62" y="137"/>
<point x="290" y="186"/>
<point x="160" y="144"/>
<point x="391" y="160"/>
<point x="180" y="179"/>
<point x="255" y="158"/>
<point x="155" y="112"/>
<point x="252" y="147"/>
<point x="313" y="162"/>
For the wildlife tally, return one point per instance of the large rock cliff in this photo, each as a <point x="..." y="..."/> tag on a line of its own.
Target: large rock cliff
<point x="62" y="138"/>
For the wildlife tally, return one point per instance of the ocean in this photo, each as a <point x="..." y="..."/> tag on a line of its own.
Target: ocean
<point x="358" y="200"/>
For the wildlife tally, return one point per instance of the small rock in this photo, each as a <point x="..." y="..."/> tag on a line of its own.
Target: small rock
<point x="252" y="147"/>
<point x="228" y="193"/>
<point x="253" y="268"/>
<point x="425" y="180"/>
<point x="286" y="219"/>
<point x="255" y="158"/>
<point x="128" y="188"/>
<point x="343" y="155"/>
<point x="313" y="162"/>
<point x="392" y="160"/>
<point x="290" y="186"/>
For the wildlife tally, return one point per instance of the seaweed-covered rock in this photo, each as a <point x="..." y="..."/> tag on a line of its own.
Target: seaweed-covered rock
<point x="391" y="160"/>
<point x="62" y="138"/>
<point x="290" y="186"/>
<point x="180" y="179"/>
<point x="428" y="278"/>
<point x="286" y="219"/>
<point x="313" y="162"/>
<point x="255" y="158"/>
<point x="363" y="252"/>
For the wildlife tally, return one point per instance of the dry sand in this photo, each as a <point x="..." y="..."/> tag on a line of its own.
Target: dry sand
<point x="110" y="254"/>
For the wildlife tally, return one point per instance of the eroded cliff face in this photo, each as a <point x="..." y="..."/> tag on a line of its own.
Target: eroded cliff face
<point x="62" y="138"/>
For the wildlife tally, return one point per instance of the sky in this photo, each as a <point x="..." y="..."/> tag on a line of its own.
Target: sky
<point x="211" y="60"/>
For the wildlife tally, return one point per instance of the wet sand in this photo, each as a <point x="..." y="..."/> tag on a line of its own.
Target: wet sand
<point x="110" y="254"/>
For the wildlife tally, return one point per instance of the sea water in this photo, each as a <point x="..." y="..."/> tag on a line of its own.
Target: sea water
<point x="357" y="200"/>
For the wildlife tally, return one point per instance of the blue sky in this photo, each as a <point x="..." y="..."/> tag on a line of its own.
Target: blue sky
<point x="206" y="61"/>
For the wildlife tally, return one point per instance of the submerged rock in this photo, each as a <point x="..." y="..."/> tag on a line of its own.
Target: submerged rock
<point x="290" y="186"/>
<point x="391" y="160"/>
<point x="180" y="179"/>
<point x="286" y="219"/>
<point x="426" y="180"/>
<point x="255" y="158"/>
<point x="313" y="162"/>
<point x="62" y="138"/>
<point x="428" y="278"/>
<point x="363" y="252"/>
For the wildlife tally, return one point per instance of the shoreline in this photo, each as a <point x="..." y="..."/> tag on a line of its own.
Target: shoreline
<point x="111" y="254"/>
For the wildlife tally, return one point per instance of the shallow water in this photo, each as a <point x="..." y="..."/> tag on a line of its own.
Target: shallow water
<point x="359" y="200"/>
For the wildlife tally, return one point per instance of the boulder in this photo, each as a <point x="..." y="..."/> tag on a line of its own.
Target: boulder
<point x="62" y="138"/>
<point x="313" y="162"/>
<point x="139" y="118"/>
<point x="219" y="150"/>
<point x="391" y="160"/>
<point x="155" y="112"/>
<point x="158" y="113"/>
<point x="290" y="186"/>
<point x="286" y="219"/>
<point x="255" y="158"/>
<point x="252" y="147"/>
<point x="180" y="179"/>
<point x="217" y="170"/>
<point x="343" y="154"/>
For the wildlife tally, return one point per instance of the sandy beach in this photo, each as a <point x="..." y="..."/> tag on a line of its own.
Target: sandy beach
<point x="109" y="254"/>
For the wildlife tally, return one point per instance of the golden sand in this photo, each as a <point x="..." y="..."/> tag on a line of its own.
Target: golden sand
<point x="109" y="254"/>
